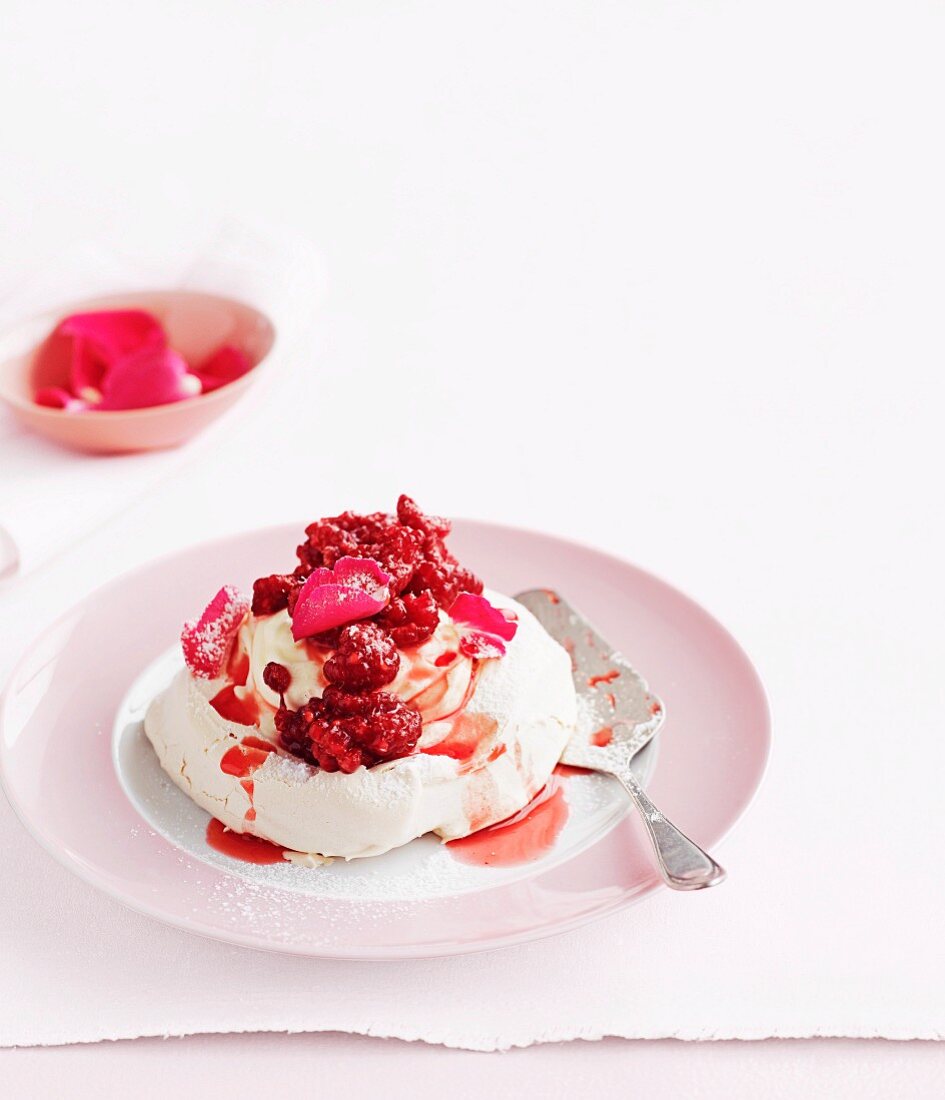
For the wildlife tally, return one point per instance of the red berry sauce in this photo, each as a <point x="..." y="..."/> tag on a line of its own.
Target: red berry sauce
<point x="522" y="838"/>
<point x="244" y="846"/>
<point x="229" y="705"/>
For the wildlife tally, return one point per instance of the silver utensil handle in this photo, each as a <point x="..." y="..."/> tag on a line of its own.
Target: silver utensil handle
<point x="683" y="863"/>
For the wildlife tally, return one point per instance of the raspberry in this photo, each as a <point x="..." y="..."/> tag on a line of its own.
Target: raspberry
<point x="399" y="550"/>
<point x="444" y="581"/>
<point x="271" y="594"/>
<point x="410" y="515"/>
<point x="467" y="581"/>
<point x="293" y="596"/>
<point x="366" y="658"/>
<point x="439" y="580"/>
<point x="277" y="677"/>
<point x="327" y="542"/>
<point x="410" y="619"/>
<point x="342" y="732"/>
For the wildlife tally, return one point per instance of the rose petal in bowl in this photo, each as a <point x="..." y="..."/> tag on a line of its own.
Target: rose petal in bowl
<point x="91" y="343"/>
<point x="225" y="365"/>
<point x="55" y="397"/>
<point x="483" y="629"/>
<point x="151" y="376"/>
<point x="355" y="588"/>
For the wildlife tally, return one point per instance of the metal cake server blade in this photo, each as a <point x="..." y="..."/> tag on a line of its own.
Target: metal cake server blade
<point x="617" y="716"/>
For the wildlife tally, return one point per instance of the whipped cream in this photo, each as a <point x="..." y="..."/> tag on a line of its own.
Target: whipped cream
<point x="270" y="639"/>
<point x="493" y="732"/>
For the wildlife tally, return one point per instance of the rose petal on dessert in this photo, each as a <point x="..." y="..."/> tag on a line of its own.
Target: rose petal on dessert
<point x="355" y="588"/>
<point x="483" y="629"/>
<point x="150" y="376"/>
<point x="225" y="365"/>
<point x="89" y="344"/>
<point x="206" y="641"/>
<point x="55" y="397"/>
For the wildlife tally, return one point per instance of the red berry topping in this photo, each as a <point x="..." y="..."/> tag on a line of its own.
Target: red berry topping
<point x="395" y="548"/>
<point x="206" y="641"/>
<point x="272" y="594"/>
<point x="342" y="732"/>
<point x="439" y="579"/>
<point x="277" y="677"/>
<point x="409" y="546"/>
<point x="410" y="619"/>
<point x="328" y="639"/>
<point x="410" y="515"/>
<point x="366" y="659"/>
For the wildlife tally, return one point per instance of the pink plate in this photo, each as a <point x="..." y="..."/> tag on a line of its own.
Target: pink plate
<point x="84" y="782"/>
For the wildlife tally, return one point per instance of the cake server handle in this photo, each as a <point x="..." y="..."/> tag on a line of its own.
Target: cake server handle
<point x="684" y="865"/>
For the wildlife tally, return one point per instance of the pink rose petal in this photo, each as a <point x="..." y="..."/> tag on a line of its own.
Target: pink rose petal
<point x="355" y="588"/>
<point x="84" y="349"/>
<point x="151" y="376"/>
<point x="226" y="364"/>
<point x="55" y="397"/>
<point x="206" y="641"/>
<point x="483" y="629"/>
<point x="96" y="341"/>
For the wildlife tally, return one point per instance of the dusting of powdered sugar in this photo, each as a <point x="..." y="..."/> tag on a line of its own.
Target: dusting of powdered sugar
<point x="287" y="769"/>
<point x="511" y="686"/>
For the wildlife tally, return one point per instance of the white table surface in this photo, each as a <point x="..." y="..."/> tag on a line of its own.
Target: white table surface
<point x="686" y="260"/>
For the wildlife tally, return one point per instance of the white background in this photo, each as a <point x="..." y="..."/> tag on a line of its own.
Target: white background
<point x="663" y="277"/>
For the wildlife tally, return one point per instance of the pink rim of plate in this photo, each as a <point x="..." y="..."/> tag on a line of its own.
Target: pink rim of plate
<point x="57" y="769"/>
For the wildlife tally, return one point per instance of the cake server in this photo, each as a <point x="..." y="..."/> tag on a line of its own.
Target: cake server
<point x="617" y="717"/>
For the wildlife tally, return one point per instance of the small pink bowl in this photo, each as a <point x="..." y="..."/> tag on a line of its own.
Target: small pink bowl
<point x="196" y="324"/>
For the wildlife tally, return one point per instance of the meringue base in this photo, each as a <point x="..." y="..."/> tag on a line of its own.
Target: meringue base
<point x="525" y="704"/>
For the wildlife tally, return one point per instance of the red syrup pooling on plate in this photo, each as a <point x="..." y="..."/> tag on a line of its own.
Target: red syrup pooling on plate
<point x="521" y="838"/>
<point x="244" y="846"/>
